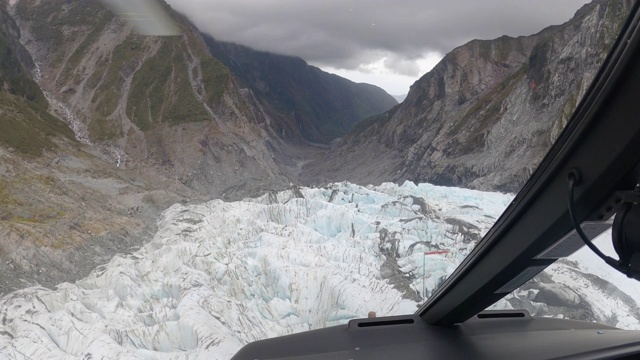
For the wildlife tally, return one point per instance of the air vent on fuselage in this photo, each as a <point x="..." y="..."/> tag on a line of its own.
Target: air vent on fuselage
<point x="502" y="315"/>
<point x="386" y="322"/>
<point x="372" y="323"/>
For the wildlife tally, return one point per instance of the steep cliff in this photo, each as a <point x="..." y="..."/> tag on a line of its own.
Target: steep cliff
<point x="318" y="105"/>
<point x="486" y="114"/>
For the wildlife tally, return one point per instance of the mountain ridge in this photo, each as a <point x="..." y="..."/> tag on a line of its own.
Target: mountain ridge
<point x="486" y="114"/>
<point x="126" y="94"/>
<point x="290" y="85"/>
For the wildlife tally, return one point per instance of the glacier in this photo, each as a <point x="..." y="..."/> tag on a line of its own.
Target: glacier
<point x="219" y="275"/>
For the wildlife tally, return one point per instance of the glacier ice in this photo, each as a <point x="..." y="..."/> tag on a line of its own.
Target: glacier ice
<point x="219" y="275"/>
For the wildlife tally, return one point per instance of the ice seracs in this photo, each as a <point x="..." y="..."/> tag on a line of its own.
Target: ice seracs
<point x="221" y="274"/>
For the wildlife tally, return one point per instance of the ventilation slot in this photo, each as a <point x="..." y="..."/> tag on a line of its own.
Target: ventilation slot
<point x="501" y="315"/>
<point x="385" y="323"/>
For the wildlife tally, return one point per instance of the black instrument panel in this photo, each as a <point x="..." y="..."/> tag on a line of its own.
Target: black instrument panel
<point x="490" y="335"/>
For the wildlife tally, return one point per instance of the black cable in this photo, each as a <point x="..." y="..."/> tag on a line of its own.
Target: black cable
<point x="609" y="260"/>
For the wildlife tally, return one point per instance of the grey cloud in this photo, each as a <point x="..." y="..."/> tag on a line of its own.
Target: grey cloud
<point x="348" y="33"/>
<point x="402" y="65"/>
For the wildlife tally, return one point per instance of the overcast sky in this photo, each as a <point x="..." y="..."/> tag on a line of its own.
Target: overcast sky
<point x="389" y="43"/>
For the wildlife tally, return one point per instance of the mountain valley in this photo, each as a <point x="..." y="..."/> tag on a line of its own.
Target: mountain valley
<point x="142" y="175"/>
<point x="484" y="116"/>
<point x="100" y="118"/>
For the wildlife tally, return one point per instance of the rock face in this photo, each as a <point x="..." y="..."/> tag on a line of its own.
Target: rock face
<point x="486" y="114"/>
<point x="305" y="99"/>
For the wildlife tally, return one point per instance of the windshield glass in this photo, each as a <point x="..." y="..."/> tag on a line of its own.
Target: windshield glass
<point x="181" y="178"/>
<point x="581" y="287"/>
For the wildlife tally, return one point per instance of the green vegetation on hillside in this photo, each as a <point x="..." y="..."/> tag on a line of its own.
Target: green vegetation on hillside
<point x="122" y="56"/>
<point x="110" y="82"/>
<point x="25" y="124"/>
<point x="161" y="90"/>
<point x="148" y="87"/>
<point x="185" y="107"/>
<point x="27" y="127"/>
<point x="13" y="78"/>
<point x="104" y="18"/>
<point x="52" y="19"/>
<point x="215" y="77"/>
<point x="48" y="18"/>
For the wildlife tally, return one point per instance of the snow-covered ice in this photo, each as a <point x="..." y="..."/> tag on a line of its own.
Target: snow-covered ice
<point x="219" y="275"/>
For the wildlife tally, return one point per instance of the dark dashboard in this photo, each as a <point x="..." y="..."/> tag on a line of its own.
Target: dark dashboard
<point x="488" y="335"/>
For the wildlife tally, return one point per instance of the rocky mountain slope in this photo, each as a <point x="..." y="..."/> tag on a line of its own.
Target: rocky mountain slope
<point x="166" y="102"/>
<point x="63" y="209"/>
<point x="321" y="106"/>
<point x="143" y="100"/>
<point x="486" y="114"/>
